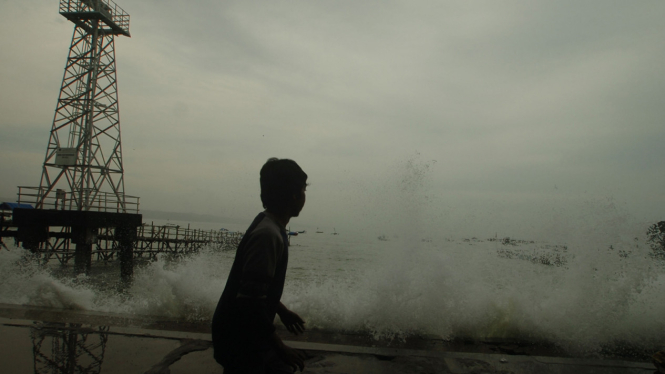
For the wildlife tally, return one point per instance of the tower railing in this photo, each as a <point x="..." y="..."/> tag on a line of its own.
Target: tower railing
<point x="68" y="200"/>
<point x="110" y="12"/>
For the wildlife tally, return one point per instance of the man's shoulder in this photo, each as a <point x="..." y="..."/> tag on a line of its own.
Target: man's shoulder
<point x="266" y="234"/>
<point x="267" y="227"/>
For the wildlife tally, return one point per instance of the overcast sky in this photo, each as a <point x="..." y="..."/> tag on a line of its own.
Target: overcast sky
<point x="484" y="116"/>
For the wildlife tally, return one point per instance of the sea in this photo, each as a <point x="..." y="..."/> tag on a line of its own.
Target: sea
<point x="594" y="291"/>
<point x="580" y="275"/>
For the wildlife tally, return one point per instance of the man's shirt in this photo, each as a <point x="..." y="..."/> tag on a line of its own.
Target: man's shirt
<point x="243" y="320"/>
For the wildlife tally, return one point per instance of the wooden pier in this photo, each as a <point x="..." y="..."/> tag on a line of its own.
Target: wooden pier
<point x="152" y="240"/>
<point x="49" y="234"/>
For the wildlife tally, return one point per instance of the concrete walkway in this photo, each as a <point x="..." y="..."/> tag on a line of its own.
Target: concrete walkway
<point x="30" y="345"/>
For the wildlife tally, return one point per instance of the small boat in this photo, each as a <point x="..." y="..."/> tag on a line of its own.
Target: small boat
<point x="334" y="232"/>
<point x="318" y="231"/>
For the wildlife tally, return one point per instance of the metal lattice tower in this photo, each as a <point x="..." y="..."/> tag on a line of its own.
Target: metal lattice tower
<point x="83" y="167"/>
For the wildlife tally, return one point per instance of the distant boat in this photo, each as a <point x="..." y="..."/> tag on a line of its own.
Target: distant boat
<point x="302" y="232"/>
<point x="383" y="238"/>
<point x="334" y="232"/>
<point x="318" y="231"/>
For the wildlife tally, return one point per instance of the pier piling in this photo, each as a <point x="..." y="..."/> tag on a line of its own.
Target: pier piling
<point x="126" y="237"/>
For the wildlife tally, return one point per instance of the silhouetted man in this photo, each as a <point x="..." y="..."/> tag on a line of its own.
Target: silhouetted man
<point x="243" y="333"/>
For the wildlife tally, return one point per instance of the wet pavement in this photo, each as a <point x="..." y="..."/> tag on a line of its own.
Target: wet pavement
<point x="35" y="340"/>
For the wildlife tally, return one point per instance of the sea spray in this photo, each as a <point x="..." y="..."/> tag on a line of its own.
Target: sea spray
<point x="24" y="281"/>
<point x="186" y="288"/>
<point x="457" y="290"/>
<point x="390" y="298"/>
<point x="603" y="292"/>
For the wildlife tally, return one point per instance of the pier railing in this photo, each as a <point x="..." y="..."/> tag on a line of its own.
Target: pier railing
<point x="152" y="240"/>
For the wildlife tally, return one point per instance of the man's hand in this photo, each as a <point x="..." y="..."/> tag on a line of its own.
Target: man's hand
<point x="291" y="320"/>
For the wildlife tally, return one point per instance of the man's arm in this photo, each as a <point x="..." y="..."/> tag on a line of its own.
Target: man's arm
<point x="291" y="320"/>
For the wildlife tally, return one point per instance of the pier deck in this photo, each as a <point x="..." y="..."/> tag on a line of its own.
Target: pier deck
<point x="49" y="234"/>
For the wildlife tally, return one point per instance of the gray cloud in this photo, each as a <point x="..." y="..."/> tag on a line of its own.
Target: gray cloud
<point x="520" y="104"/>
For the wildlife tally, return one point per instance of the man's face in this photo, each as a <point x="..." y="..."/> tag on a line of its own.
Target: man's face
<point x="299" y="202"/>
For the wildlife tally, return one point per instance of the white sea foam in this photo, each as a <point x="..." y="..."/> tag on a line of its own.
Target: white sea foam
<point x="458" y="290"/>
<point x="399" y="288"/>
<point x="23" y="281"/>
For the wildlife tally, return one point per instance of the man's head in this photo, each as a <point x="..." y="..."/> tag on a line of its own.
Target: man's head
<point x="283" y="186"/>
